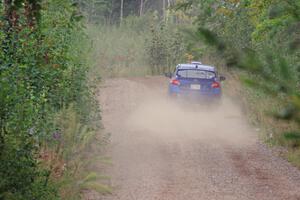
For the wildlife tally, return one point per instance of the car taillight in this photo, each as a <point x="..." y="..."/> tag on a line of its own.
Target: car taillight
<point x="175" y="82"/>
<point x="215" y="85"/>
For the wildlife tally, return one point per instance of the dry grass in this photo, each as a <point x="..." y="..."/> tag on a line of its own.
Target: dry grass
<point x="70" y="155"/>
<point x="118" y="51"/>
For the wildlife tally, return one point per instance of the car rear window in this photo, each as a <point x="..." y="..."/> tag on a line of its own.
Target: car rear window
<point x="195" y="73"/>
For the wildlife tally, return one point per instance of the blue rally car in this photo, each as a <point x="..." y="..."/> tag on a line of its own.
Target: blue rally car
<point x="195" y="80"/>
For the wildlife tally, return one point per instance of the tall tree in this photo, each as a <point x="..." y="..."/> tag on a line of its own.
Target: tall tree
<point x="141" y="7"/>
<point x="121" y="11"/>
<point x="164" y="9"/>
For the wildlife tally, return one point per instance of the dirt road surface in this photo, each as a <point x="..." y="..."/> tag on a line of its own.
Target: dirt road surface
<point x="164" y="150"/>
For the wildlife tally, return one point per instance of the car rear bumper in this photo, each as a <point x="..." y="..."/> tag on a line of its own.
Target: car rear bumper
<point x="191" y="95"/>
<point x="214" y="93"/>
<point x="196" y="97"/>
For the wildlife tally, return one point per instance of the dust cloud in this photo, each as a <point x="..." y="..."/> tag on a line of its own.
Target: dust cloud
<point x="174" y="150"/>
<point x="166" y="118"/>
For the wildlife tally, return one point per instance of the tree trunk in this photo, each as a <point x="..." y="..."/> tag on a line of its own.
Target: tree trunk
<point x="141" y="7"/>
<point x="164" y="9"/>
<point x="110" y="19"/>
<point x="167" y="10"/>
<point x="121" y="11"/>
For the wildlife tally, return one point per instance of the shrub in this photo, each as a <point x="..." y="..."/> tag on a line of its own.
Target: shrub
<point x="42" y="72"/>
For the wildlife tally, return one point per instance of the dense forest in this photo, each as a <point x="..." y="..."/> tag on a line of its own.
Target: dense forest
<point x="260" y="38"/>
<point x="113" y="11"/>
<point x="50" y="50"/>
<point x="46" y="104"/>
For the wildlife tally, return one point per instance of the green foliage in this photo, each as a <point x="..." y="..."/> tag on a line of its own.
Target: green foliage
<point x="100" y="188"/>
<point x="74" y="136"/>
<point x="165" y="47"/>
<point x="119" y="50"/>
<point x="91" y="182"/>
<point x="42" y="71"/>
<point x="72" y="153"/>
<point x="262" y="38"/>
<point x="108" y="11"/>
<point x="292" y="136"/>
<point x="134" y="48"/>
<point x="291" y="139"/>
<point x="157" y="49"/>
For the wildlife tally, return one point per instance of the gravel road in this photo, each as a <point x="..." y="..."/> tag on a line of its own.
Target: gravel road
<point x="165" y="150"/>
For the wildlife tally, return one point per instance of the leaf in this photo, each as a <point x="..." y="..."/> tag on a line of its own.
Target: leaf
<point x="295" y="100"/>
<point x="284" y="69"/>
<point x="258" y="84"/>
<point x="250" y="61"/>
<point x="183" y="5"/>
<point x="90" y="177"/>
<point x="287" y="113"/>
<point x="208" y="37"/>
<point x="100" y="188"/>
<point x="292" y="136"/>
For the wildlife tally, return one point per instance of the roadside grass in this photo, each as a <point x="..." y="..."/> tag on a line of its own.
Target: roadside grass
<point x="261" y="109"/>
<point x="82" y="143"/>
<point x="115" y="51"/>
<point x="118" y="51"/>
<point x="69" y="155"/>
<point x="294" y="157"/>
